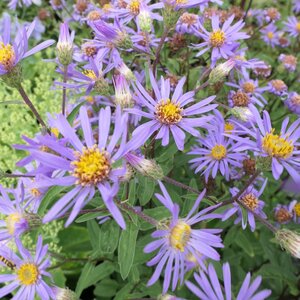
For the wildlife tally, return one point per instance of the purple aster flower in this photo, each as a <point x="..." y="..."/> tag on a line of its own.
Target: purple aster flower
<point x="12" y="53"/>
<point x="282" y="148"/>
<point x="14" y="3"/>
<point x="222" y="40"/>
<point x="19" y="216"/>
<point x="271" y="14"/>
<point x="188" y="23"/>
<point x="133" y="9"/>
<point x="270" y="35"/>
<point x="295" y="206"/>
<point x="81" y="10"/>
<point x="168" y="115"/>
<point x="28" y="272"/>
<point x="64" y="45"/>
<point x="263" y="70"/>
<point x="283" y="214"/>
<point x="296" y="6"/>
<point x="209" y="288"/>
<point x="288" y="61"/>
<point x="123" y="95"/>
<point x="58" y="4"/>
<point x="277" y="87"/>
<point x="217" y="153"/>
<point x="85" y="166"/>
<point x="176" y="240"/>
<point x="249" y="92"/>
<point x="251" y="199"/>
<point x="293" y="102"/>
<point x="86" y="51"/>
<point x="292" y="26"/>
<point x="144" y="41"/>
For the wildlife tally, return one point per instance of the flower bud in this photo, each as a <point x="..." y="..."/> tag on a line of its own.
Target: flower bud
<point x="167" y="297"/>
<point x="125" y="71"/>
<point x="289" y="241"/>
<point x="145" y="166"/>
<point x="128" y="174"/>
<point x="242" y="113"/>
<point x="123" y="95"/>
<point x="63" y="294"/>
<point x="64" y="45"/>
<point x="221" y="71"/>
<point x="144" y="21"/>
<point x="170" y="15"/>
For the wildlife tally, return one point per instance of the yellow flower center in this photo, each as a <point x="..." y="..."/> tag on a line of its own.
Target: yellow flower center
<point x="228" y="127"/>
<point x="296" y="100"/>
<point x="11" y="221"/>
<point x="217" y="38"/>
<point x="250" y="201"/>
<point x="168" y="112"/>
<point x="240" y="98"/>
<point x="181" y="2"/>
<point x="248" y="87"/>
<point x="35" y="192"/>
<point x="7" y="56"/>
<point x="298" y="26"/>
<point x="92" y="166"/>
<point x="297" y="209"/>
<point x="270" y="35"/>
<point x="282" y="215"/>
<point x="55" y="131"/>
<point x="277" y="146"/>
<point x="134" y="7"/>
<point x="218" y="152"/>
<point x="90" y="73"/>
<point x="106" y="7"/>
<point x="94" y="15"/>
<point x="180" y="235"/>
<point x="240" y="58"/>
<point x="28" y="274"/>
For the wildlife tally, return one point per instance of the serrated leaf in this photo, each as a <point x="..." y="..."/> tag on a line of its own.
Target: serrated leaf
<point x="126" y="249"/>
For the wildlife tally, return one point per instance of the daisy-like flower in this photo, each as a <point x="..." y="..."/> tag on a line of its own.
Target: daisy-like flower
<point x="283" y="214"/>
<point x="176" y="240"/>
<point x="222" y="40"/>
<point x="250" y="88"/>
<point x="167" y="114"/>
<point x="277" y="87"/>
<point x="270" y="35"/>
<point x="288" y="61"/>
<point x="188" y="23"/>
<point x="28" y="272"/>
<point x="281" y="147"/>
<point x="57" y="4"/>
<point x="292" y="26"/>
<point x="19" y="216"/>
<point x="12" y="52"/>
<point x="251" y="199"/>
<point x="87" y="165"/>
<point x="271" y="14"/>
<point x="217" y="153"/>
<point x="293" y="102"/>
<point x="209" y="287"/>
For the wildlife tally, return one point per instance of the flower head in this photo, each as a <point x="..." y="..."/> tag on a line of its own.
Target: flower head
<point x="65" y="45"/>
<point x="292" y="26"/>
<point x="209" y="287"/>
<point x="177" y="239"/>
<point x="293" y="102"/>
<point x="28" y="272"/>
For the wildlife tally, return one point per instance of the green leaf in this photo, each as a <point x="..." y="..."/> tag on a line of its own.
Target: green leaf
<point x="106" y="288"/>
<point x="145" y="189"/>
<point x="71" y="117"/>
<point x="126" y="249"/>
<point x="124" y="292"/>
<point x="109" y="237"/>
<point x="90" y="216"/>
<point x="243" y="242"/>
<point x="91" y="275"/>
<point x="51" y="195"/>
<point x="94" y="233"/>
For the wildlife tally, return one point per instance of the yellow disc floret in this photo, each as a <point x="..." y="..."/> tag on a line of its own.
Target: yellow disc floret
<point x="217" y="38"/>
<point x="218" y="152"/>
<point x="28" y="274"/>
<point x="250" y="201"/>
<point x="180" y="235"/>
<point x="90" y="73"/>
<point x="11" y="221"/>
<point x="92" y="166"/>
<point x="134" y="7"/>
<point x="7" y="56"/>
<point x="277" y="146"/>
<point x="228" y="127"/>
<point x="168" y="112"/>
<point x="297" y="209"/>
<point x="298" y="26"/>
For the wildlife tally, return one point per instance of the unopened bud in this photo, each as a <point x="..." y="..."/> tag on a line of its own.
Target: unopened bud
<point x="63" y="294"/>
<point x="64" y="45"/>
<point x="123" y="40"/>
<point x="170" y="15"/>
<point x="123" y="95"/>
<point x="242" y="113"/>
<point x="167" y="297"/>
<point x="220" y="72"/>
<point x="128" y="174"/>
<point x="125" y="71"/>
<point x="289" y="241"/>
<point x="145" y="166"/>
<point x="145" y="21"/>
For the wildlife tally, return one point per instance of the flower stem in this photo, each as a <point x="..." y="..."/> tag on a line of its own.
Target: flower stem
<point x="64" y="97"/>
<point x="32" y="108"/>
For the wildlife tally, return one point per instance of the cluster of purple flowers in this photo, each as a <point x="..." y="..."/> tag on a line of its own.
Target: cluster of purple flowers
<point x="91" y="147"/>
